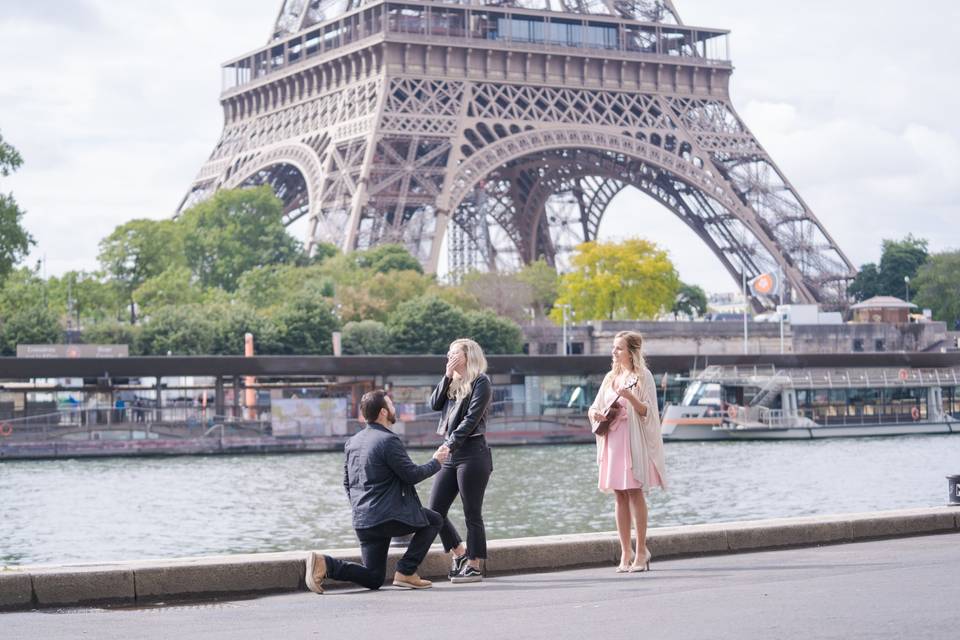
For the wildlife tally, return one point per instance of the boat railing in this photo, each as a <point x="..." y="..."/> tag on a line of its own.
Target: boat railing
<point x="853" y="377"/>
<point x="764" y="417"/>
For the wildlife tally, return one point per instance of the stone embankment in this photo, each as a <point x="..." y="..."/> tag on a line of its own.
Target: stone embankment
<point x="239" y="575"/>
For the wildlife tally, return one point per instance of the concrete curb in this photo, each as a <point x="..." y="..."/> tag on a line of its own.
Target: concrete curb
<point x="149" y="581"/>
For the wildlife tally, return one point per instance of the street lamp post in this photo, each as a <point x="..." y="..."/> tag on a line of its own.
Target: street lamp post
<point x="565" y="308"/>
<point x="906" y="282"/>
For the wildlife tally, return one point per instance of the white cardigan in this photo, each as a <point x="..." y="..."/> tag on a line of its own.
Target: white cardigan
<point x="646" y="440"/>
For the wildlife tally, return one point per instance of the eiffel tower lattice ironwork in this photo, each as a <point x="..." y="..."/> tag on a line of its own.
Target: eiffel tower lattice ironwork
<point x="508" y="126"/>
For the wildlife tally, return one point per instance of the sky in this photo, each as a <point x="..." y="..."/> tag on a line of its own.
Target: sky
<point x="114" y="107"/>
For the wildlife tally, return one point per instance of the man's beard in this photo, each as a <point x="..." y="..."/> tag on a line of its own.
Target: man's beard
<point x="392" y="417"/>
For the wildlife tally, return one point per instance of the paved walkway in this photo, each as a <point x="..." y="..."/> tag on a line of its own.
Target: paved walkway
<point x="904" y="588"/>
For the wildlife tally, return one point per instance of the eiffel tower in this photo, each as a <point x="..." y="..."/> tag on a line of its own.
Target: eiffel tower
<point x="503" y="129"/>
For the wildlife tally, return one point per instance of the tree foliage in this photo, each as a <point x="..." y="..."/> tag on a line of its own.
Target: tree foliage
<point x="493" y="332"/>
<point x="899" y="259"/>
<point x="139" y="250"/>
<point x="504" y="293"/>
<point x="938" y="287"/>
<point x="182" y="330"/>
<point x="691" y="301"/>
<point x="388" y="257"/>
<point x="32" y="324"/>
<point x="366" y="337"/>
<point x="15" y="241"/>
<point x="305" y="325"/>
<point x="544" y="284"/>
<point x="618" y="281"/>
<point x="426" y="324"/>
<point x="233" y="232"/>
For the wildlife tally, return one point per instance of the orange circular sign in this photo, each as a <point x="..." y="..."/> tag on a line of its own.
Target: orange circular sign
<point x="904" y="374"/>
<point x="763" y="284"/>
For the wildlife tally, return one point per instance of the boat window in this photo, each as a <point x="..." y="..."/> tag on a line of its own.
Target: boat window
<point x="691" y="393"/>
<point x="700" y="393"/>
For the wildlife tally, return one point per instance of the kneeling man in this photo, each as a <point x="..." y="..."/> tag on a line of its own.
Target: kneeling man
<point x="379" y="477"/>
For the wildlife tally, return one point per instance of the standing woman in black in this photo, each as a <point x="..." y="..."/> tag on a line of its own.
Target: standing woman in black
<point x="463" y="398"/>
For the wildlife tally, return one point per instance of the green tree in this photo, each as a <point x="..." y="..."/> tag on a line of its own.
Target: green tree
<point x="544" y="283"/>
<point x="305" y="325"/>
<point x="31" y="324"/>
<point x="899" y="259"/>
<point x="231" y="324"/>
<point x="691" y="301"/>
<point x="233" y="232"/>
<point x="90" y="297"/>
<point x="139" y="250"/>
<point x="182" y="330"/>
<point x="169" y="288"/>
<point x="270" y="285"/>
<point x="494" y="333"/>
<point x="938" y="287"/>
<point x="365" y="337"/>
<point x="388" y="257"/>
<point x="15" y="242"/>
<point x="112" y="332"/>
<point x="618" y="281"/>
<point x="376" y="295"/>
<point x="425" y="325"/>
<point x="322" y="251"/>
<point x="866" y="284"/>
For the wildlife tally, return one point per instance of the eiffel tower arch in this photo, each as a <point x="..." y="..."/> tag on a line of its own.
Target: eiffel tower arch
<point x="507" y="128"/>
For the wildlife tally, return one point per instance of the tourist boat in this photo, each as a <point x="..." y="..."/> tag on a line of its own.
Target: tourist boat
<point x="766" y="403"/>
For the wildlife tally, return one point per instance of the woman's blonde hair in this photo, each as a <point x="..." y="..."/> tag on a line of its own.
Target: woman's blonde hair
<point x="476" y="364"/>
<point x="634" y="343"/>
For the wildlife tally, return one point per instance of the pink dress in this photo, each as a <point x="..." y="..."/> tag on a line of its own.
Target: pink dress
<point x="616" y="468"/>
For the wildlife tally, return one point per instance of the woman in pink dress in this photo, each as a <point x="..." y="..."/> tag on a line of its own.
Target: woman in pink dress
<point x="630" y="456"/>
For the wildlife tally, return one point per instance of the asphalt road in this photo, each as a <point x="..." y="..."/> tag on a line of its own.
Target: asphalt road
<point x="905" y="588"/>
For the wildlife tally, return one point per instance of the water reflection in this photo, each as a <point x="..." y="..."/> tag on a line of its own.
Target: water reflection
<point x="118" y="509"/>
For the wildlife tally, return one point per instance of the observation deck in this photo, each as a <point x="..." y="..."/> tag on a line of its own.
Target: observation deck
<point x="481" y="26"/>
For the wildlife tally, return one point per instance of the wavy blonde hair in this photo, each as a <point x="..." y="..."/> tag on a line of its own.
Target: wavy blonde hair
<point x="461" y="386"/>
<point x="634" y="343"/>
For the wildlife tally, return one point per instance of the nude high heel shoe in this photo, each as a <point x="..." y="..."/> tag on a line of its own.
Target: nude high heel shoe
<point x="623" y="568"/>
<point x="644" y="566"/>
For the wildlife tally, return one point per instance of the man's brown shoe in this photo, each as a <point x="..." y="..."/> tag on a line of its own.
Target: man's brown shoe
<point x="410" y="582"/>
<point x="316" y="572"/>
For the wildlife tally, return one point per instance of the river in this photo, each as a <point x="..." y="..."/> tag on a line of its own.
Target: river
<point x="61" y="511"/>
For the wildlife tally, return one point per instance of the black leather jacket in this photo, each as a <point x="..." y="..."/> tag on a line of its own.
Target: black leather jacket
<point x="466" y="418"/>
<point x="379" y="477"/>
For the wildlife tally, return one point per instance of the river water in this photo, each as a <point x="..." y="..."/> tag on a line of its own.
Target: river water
<point x="58" y="511"/>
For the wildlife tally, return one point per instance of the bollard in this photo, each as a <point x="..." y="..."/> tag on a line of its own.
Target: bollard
<point x="954" y="484"/>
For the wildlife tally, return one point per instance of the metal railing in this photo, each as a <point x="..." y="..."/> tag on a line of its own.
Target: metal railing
<point x="508" y="416"/>
<point x="758" y="416"/>
<point x="135" y="423"/>
<point x="853" y="377"/>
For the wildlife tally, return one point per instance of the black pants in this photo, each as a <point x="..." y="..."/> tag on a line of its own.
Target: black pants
<point x="466" y="473"/>
<point x="374" y="546"/>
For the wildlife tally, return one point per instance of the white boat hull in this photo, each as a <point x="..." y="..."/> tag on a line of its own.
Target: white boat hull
<point x="682" y="432"/>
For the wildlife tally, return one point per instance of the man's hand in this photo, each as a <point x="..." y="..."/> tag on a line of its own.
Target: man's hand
<point x="441" y="454"/>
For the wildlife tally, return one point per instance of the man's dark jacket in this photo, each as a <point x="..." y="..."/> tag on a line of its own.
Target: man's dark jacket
<point x="379" y="477"/>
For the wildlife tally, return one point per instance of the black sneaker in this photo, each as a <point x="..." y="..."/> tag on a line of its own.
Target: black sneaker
<point x="468" y="574"/>
<point x="457" y="566"/>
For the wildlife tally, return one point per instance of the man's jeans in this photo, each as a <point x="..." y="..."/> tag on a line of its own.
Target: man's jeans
<point x="374" y="546"/>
